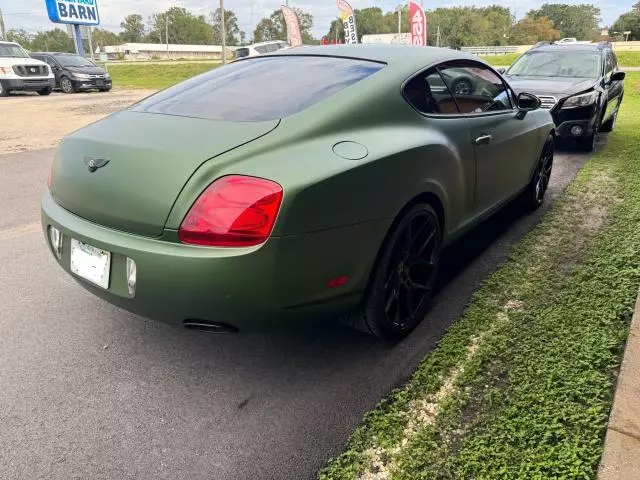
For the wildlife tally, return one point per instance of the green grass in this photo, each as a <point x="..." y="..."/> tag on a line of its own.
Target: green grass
<point x="628" y="59"/>
<point x="155" y="76"/>
<point x="521" y="386"/>
<point x="625" y="59"/>
<point x="500" y="60"/>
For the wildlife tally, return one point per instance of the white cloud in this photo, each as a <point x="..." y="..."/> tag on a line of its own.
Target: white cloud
<point x="31" y="14"/>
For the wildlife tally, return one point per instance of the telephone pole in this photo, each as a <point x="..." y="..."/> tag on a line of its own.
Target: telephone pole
<point x="223" y="33"/>
<point x="166" y="32"/>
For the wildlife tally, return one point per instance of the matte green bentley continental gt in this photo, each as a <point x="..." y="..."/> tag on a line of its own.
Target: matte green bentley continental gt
<point x="319" y="181"/>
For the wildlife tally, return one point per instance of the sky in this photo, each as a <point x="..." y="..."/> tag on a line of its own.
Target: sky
<point x="31" y="14"/>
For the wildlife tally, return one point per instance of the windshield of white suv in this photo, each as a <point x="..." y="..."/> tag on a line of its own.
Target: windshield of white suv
<point x="565" y="63"/>
<point x="74" y="61"/>
<point x="11" y="50"/>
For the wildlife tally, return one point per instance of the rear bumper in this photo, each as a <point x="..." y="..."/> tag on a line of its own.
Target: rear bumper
<point x="28" y="83"/>
<point x="251" y="289"/>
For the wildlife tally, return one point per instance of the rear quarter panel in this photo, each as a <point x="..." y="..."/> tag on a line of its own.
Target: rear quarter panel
<point x="325" y="191"/>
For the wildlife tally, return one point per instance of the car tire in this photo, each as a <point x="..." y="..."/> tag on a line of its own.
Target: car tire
<point x="4" y="92"/>
<point x="103" y="90"/>
<point x="588" y="143"/>
<point x="462" y="87"/>
<point x="400" y="287"/>
<point x="534" y="193"/>
<point x="44" y="91"/>
<point x="66" y="86"/>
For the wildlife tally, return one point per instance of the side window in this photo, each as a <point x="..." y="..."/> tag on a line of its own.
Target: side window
<point x="475" y="87"/>
<point x="428" y="94"/>
<point x="261" y="49"/>
<point x="50" y="61"/>
<point x="611" y="64"/>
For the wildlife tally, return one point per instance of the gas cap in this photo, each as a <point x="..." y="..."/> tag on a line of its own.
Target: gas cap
<point x="350" y="150"/>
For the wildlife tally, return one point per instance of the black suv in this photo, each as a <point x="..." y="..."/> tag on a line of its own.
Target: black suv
<point x="74" y="72"/>
<point x="579" y="83"/>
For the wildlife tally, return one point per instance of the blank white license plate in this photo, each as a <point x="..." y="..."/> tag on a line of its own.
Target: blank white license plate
<point x="90" y="263"/>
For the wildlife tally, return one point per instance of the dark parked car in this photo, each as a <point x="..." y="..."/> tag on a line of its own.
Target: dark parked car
<point x="75" y="73"/>
<point x="579" y="83"/>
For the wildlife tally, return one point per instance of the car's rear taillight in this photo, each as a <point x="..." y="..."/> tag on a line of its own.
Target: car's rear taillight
<point x="234" y="211"/>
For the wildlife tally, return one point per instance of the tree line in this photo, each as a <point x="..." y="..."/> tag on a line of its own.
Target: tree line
<point x="453" y="27"/>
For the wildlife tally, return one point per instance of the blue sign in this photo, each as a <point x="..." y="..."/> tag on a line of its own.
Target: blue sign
<point x="76" y="12"/>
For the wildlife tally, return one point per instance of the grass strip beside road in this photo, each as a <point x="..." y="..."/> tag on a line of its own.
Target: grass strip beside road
<point x="521" y="386"/>
<point x="625" y="59"/>
<point x="156" y="76"/>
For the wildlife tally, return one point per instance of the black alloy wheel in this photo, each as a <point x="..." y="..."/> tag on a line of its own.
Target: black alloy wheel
<point x="401" y="286"/>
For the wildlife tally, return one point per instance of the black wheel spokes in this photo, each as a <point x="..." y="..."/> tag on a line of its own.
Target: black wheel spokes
<point x="411" y="269"/>
<point x="544" y="174"/>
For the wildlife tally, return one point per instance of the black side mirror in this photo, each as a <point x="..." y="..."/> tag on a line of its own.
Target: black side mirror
<point x="618" y="76"/>
<point x="501" y="70"/>
<point x="528" y="102"/>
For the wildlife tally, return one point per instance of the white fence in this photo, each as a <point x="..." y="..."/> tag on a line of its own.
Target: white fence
<point x="491" y="50"/>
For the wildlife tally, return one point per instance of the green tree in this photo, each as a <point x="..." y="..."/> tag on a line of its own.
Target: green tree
<point x="273" y="27"/>
<point x="102" y="38"/>
<point x="233" y="34"/>
<point x="460" y="27"/>
<point x="132" y="28"/>
<point x="20" y="36"/>
<point x="183" y="27"/>
<point x="370" y="21"/>
<point x="628" y="22"/>
<point x="532" y="30"/>
<point x="55" y="40"/>
<point x="578" y="21"/>
<point x="500" y="20"/>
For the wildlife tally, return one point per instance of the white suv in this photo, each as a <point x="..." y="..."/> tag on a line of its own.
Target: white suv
<point x="18" y="71"/>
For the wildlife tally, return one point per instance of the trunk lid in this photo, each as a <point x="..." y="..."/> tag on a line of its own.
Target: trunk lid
<point x="150" y="158"/>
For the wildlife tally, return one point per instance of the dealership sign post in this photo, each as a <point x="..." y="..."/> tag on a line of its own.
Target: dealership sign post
<point x="76" y="13"/>
<point x="294" y="37"/>
<point x="348" y="17"/>
<point x="418" y="24"/>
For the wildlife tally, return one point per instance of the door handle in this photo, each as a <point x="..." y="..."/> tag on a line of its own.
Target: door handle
<point x="483" y="140"/>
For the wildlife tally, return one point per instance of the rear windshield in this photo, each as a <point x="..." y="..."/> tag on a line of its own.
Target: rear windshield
<point x="261" y="88"/>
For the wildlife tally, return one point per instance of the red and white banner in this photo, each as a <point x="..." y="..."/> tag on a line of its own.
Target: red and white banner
<point x="348" y="17"/>
<point x="418" y="24"/>
<point x="294" y="37"/>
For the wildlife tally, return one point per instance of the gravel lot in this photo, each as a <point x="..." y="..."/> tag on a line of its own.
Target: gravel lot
<point x="40" y="122"/>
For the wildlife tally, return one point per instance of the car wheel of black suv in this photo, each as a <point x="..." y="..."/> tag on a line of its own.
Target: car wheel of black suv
<point x="588" y="143"/>
<point x="398" y="295"/>
<point x="44" y="91"/>
<point x="66" y="86"/>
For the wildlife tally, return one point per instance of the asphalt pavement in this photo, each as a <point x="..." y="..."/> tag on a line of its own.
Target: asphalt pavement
<point x="90" y="391"/>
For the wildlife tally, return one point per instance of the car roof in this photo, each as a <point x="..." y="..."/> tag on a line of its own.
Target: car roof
<point x="389" y="54"/>
<point x="55" y="53"/>
<point x="570" y="46"/>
